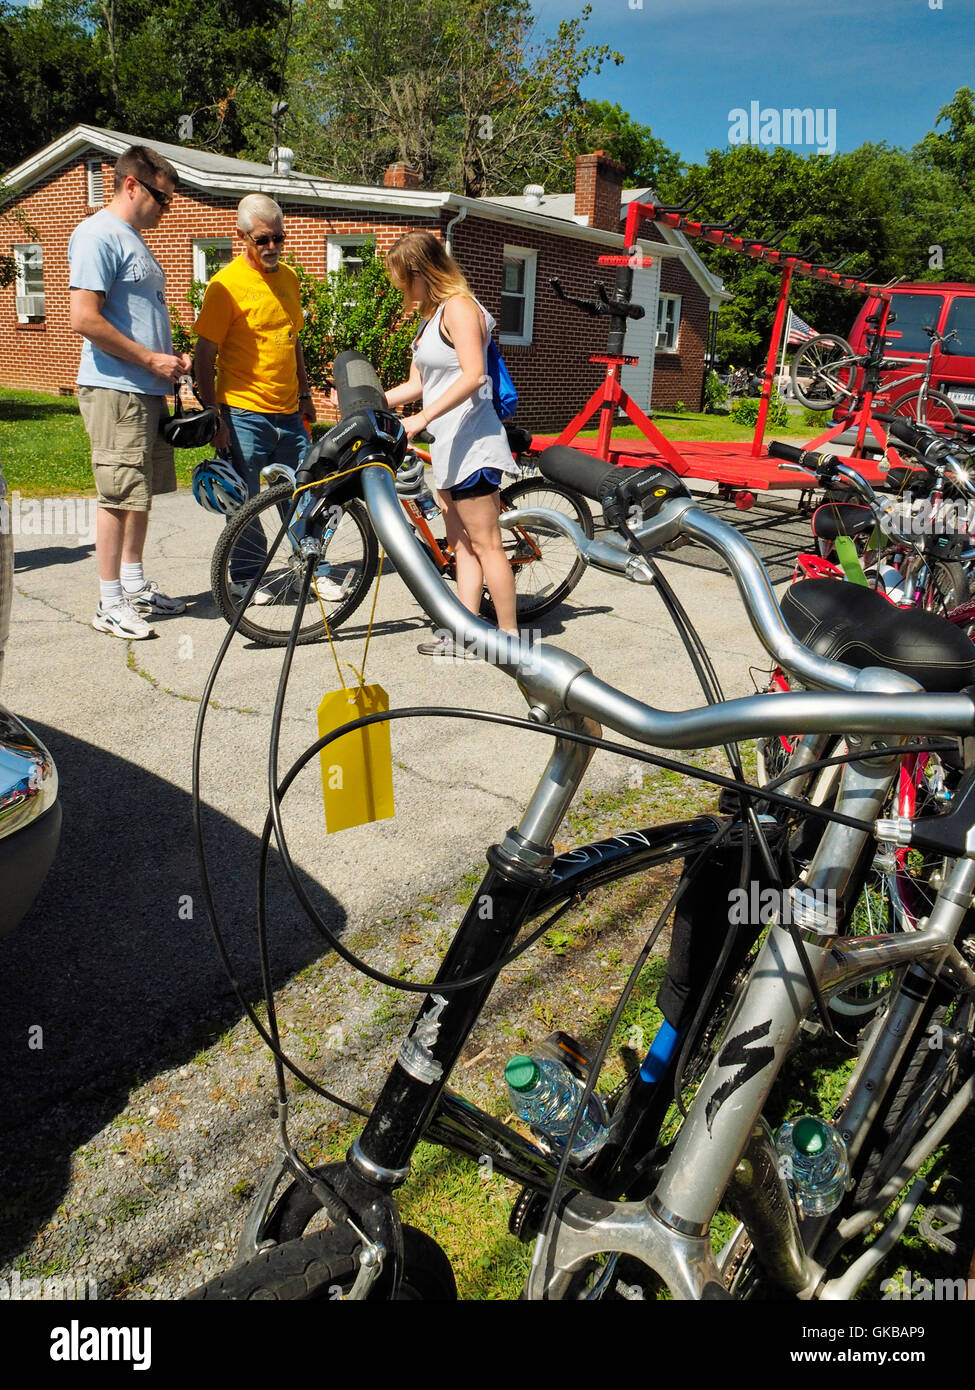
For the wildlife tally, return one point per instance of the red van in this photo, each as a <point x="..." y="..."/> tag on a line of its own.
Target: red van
<point x="943" y="306"/>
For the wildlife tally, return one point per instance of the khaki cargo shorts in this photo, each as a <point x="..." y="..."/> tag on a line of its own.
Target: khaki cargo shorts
<point x="129" y="457"/>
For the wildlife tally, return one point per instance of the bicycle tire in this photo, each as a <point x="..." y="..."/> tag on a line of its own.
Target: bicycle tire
<point x="314" y="1268"/>
<point x="942" y="584"/>
<point x="350" y="553"/>
<point x="546" y="564"/>
<point x="907" y="1112"/>
<point x="938" y="411"/>
<point x="820" y="361"/>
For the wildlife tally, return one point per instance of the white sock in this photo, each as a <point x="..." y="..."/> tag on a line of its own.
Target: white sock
<point x="132" y="578"/>
<point x="111" y="592"/>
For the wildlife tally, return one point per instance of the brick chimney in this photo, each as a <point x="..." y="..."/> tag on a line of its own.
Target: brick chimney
<point x="599" y="184"/>
<point x="401" y="176"/>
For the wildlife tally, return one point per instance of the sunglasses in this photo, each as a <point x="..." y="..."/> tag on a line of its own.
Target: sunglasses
<point x="279" y="238"/>
<point x="163" y="199"/>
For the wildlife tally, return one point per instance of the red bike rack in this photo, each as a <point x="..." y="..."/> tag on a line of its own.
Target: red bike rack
<point x="719" y="462"/>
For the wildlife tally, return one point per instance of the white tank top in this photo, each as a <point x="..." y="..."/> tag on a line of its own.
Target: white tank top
<point x="470" y="436"/>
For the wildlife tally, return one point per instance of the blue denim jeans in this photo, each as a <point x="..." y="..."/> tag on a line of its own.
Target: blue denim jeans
<point x="257" y="440"/>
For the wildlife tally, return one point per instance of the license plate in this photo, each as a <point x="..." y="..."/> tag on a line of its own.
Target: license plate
<point x="962" y="397"/>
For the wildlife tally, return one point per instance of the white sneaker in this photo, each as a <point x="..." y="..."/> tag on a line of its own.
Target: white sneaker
<point x="237" y="592"/>
<point x="328" y="590"/>
<point x="121" y="620"/>
<point x="151" y="599"/>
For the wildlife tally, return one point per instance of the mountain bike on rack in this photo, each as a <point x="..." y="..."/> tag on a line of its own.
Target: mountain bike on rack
<point x="645" y="1200"/>
<point x="545" y="563"/>
<point x="826" y="373"/>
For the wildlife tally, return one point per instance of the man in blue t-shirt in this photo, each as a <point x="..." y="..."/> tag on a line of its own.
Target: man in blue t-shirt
<point x="118" y="304"/>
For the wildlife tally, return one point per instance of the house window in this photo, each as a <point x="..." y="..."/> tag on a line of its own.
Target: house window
<point x="518" y="294"/>
<point x="211" y="254"/>
<point x="668" y="322"/>
<point x="96" y="184"/>
<point x="345" y="253"/>
<point x="29" y="260"/>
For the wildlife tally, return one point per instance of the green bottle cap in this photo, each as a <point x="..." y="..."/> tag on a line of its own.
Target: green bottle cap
<point x="521" y="1073"/>
<point x="810" y="1135"/>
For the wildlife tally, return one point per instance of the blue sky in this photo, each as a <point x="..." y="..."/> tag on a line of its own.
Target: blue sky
<point x="886" y="67"/>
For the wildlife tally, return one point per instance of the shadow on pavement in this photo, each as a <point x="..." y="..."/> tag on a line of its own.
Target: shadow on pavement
<point x="108" y="976"/>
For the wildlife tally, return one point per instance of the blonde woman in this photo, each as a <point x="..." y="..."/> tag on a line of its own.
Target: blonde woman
<point x="470" y="449"/>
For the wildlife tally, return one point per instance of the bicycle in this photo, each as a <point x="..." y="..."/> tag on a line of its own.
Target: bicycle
<point x="645" y="1195"/>
<point x="546" y="565"/>
<point x="826" y="374"/>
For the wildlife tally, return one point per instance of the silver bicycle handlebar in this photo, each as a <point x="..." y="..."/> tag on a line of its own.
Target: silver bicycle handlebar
<point x="556" y="683"/>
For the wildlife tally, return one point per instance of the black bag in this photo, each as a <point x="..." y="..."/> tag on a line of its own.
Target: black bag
<point x="189" y="429"/>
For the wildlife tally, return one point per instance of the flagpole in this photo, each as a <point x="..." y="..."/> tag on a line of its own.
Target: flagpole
<point x="785" y="341"/>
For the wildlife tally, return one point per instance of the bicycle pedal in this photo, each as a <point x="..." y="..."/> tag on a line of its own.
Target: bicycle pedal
<point x="565" y="1049"/>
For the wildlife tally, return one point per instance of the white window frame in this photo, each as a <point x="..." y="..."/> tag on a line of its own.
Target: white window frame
<point x="668" y="312"/>
<point x="94" y="169"/>
<point x="20" y="286"/>
<point x="529" y="257"/>
<point x="200" y="245"/>
<point x="337" y="244"/>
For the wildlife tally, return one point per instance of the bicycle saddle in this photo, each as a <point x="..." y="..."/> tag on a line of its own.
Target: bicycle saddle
<point x="849" y="623"/>
<point x="834" y="519"/>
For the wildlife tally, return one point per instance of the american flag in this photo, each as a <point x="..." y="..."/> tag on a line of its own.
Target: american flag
<point x="798" y="330"/>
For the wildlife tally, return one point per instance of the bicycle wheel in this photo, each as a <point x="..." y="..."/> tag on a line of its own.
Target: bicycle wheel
<point x="937" y="409"/>
<point x="317" y="1267"/>
<point x="938" y="586"/>
<point x="349" y="559"/>
<point x="546" y="564"/>
<point x="928" y="1077"/>
<point x="823" y="372"/>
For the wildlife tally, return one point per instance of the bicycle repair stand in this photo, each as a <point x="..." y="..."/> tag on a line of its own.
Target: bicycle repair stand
<point x="610" y="395"/>
<point x="862" y="416"/>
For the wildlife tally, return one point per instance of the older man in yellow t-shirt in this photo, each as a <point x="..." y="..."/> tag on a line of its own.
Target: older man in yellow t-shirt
<point x="248" y="333"/>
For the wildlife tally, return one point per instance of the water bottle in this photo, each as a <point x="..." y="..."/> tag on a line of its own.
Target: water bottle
<point x="427" y="503"/>
<point x="813" y="1160"/>
<point x="545" y="1094"/>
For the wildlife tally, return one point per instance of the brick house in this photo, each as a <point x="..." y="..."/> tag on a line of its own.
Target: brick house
<point x="509" y="248"/>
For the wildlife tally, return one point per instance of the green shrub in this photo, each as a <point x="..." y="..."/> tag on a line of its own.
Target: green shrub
<point x="715" y="391"/>
<point x="362" y="312"/>
<point x="814" y="418"/>
<point x="744" y="411"/>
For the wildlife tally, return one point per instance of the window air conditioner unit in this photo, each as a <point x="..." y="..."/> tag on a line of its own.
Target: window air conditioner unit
<point x="661" y="338"/>
<point x="30" y="306"/>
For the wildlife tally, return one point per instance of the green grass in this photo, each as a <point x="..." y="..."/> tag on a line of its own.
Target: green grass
<point x="692" y="426"/>
<point x="44" y="448"/>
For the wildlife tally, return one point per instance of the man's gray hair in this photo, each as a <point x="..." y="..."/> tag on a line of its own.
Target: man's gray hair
<point x="257" y="207"/>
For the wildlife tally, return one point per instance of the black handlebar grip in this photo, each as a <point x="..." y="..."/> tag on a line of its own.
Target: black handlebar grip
<point x="906" y="431"/>
<point x="357" y="384"/>
<point x="788" y="452"/>
<point x="588" y="475"/>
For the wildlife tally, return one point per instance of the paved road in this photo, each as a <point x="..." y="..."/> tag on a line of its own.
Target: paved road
<point x="115" y="962"/>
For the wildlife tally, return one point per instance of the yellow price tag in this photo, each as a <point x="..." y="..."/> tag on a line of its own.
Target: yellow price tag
<point x="357" y="769"/>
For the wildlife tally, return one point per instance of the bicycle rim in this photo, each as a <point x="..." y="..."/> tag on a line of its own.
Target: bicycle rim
<point x="348" y="559"/>
<point x="546" y="564"/>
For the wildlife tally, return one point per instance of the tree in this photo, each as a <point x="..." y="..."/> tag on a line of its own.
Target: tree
<point x="953" y="150"/>
<point x="647" y="161"/>
<point x="460" y="89"/>
<point x="49" y="77"/>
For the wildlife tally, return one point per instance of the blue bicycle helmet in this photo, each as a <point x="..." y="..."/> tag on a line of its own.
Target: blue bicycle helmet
<point x="217" y="487"/>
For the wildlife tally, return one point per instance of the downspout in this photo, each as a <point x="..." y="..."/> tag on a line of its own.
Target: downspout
<point x="449" y="229"/>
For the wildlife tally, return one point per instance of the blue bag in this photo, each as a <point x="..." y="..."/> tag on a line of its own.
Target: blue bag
<point x="505" y="395"/>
